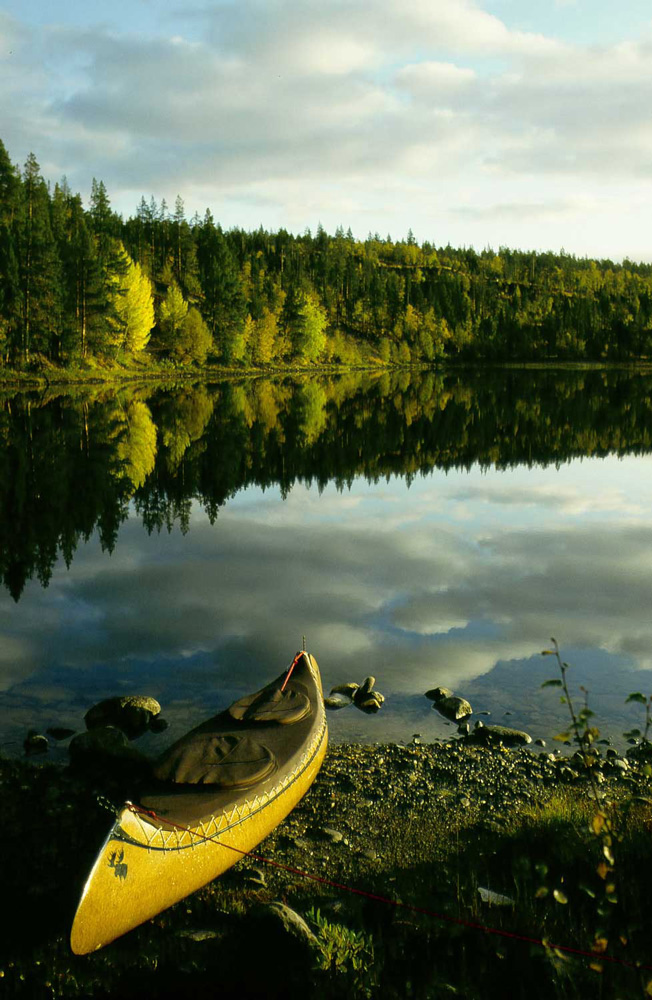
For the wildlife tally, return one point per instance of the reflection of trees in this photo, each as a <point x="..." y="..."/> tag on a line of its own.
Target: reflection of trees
<point x="69" y="465"/>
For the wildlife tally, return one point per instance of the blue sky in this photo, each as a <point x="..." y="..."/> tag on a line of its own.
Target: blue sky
<point x="477" y="122"/>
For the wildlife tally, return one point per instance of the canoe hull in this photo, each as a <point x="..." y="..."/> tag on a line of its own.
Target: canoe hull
<point x="147" y="863"/>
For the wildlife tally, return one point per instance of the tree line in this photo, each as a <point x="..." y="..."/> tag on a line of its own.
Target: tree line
<point x="162" y="449"/>
<point x="81" y="284"/>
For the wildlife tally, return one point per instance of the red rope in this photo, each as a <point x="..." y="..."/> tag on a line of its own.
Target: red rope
<point x="291" y="668"/>
<point x="594" y="955"/>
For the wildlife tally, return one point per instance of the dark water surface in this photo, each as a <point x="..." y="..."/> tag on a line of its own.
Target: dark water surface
<point x="429" y="529"/>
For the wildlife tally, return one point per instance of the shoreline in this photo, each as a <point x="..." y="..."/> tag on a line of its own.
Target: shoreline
<point x="126" y="376"/>
<point x="429" y="824"/>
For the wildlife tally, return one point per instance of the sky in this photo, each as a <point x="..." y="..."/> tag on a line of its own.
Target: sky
<point x="521" y="123"/>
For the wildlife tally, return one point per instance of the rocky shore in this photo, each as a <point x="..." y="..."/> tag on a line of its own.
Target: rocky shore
<point x="451" y="827"/>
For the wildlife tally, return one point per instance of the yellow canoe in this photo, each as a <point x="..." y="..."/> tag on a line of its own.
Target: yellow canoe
<point x="219" y="791"/>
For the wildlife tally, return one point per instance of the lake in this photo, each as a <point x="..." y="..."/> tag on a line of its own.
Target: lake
<point x="429" y="528"/>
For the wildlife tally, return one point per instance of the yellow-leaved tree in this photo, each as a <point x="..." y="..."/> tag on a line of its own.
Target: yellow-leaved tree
<point x="133" y="306"/>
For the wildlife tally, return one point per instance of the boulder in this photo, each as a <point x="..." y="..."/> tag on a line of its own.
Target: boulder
<point x="131" y="714"/>
<point x="105" y="748"/>
<point x="436" y="694"/>
<point x="453" y="708"/>
<point x="498" y="734"/>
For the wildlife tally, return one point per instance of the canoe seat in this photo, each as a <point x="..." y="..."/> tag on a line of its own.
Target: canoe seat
<point x="206" y="759"/>
<point x="271" y="705"/>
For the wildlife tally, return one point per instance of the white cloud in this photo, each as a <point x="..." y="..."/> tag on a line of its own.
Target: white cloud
<point x="377" y="113"/>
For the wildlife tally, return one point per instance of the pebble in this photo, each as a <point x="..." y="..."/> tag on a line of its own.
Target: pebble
<point x="34" y="744"/>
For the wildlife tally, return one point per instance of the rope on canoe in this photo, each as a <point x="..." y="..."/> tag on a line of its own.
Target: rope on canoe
<point x="397" y="903"/>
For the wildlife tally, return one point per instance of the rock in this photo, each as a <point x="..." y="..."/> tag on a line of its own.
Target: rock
<point x="494" y="898"/>
<point x="366" y="699"/>
<point x="540" y="743"/>
<point x="35" y="743"/>
<point x="199" y="934"/>
<point x="334" y="836"/>
<point x="369" y="705"/>
<point x="157" y="724"/>
<point x="499" y="734"/>
<point x="347" y="689"/>
<point x="436" y="694"/>
<point x="130" y="713"/>
<point x="464" y="729"/>
<point x="453" y="708"/>
<point x="338" y="700"/>
<point x="104" y="747"/>
<point x="284" y="932"/>
<point x="60" y="732"/>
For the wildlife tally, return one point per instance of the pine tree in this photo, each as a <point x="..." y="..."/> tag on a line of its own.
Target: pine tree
<point x="39" y="267"/>
<point x="10" y="297"/>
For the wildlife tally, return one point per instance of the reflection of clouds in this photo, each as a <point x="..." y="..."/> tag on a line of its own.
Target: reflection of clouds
<point x="567" y="500"/>
<point x="415" y="598"/>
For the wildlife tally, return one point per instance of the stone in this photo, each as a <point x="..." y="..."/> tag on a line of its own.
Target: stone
<point x="540" y="743"/>
<point x="60" y="732"/>
<point x="279" y="924"/>
<point x="334" y="836"/>
<point x="366" y="687"/>
<point x="34" y="744"/>
<point x="346" y="689"/>
<point x="338" y="700"/>
<point x="130" y="713"/>
<point x="453" y="708"/>
<point x="369" y="705"/>
<point x="198" y="934"/>
<point x="499" y="734"/>
<point x="106" y="746"/>
<point x="436" y="694"/>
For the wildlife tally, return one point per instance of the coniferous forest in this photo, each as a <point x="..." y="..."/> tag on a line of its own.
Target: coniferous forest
<point x="81" y="286"/>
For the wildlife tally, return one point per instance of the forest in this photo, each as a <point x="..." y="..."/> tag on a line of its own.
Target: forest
<point x="82" y="287"/>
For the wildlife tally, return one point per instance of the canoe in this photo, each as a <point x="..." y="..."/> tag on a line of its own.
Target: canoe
<point x="217" y="792"/>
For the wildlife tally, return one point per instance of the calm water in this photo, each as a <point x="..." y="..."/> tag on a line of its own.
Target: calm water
<point x="430" y="530"/>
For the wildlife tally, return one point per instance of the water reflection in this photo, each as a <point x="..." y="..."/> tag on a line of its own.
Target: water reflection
<point x="456" y="577"/>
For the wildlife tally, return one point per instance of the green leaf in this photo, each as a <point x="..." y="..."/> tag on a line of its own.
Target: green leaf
<point x="555" y="683"/>
<point x="547" y="652"/>
<point x="560" y="896"/>
<point x="636" y="696"/>
<point x="561" y="737"/>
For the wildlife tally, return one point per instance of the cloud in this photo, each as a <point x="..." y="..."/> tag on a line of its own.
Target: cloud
<point x="373" y="112"/>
